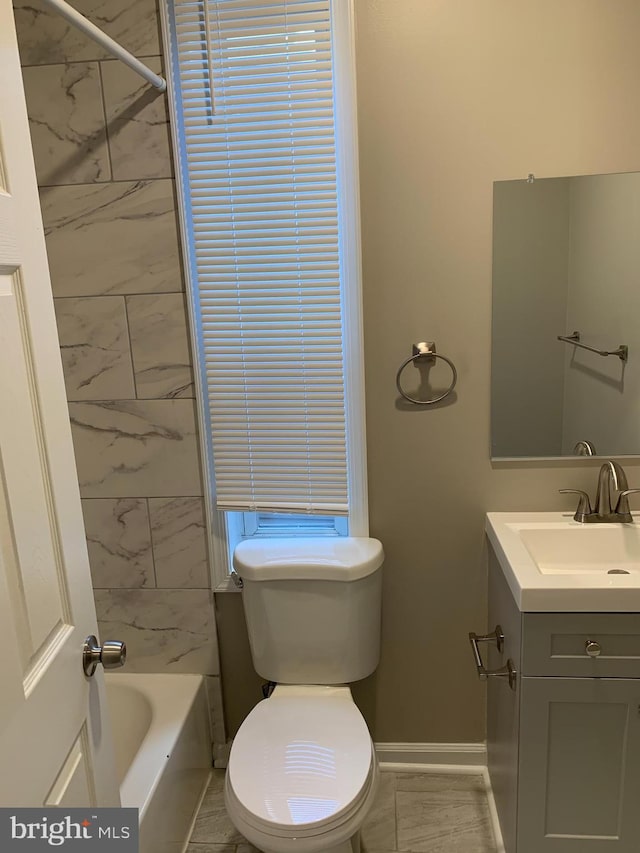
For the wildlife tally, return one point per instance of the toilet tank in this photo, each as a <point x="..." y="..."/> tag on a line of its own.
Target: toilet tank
<point x="312" y="607"/>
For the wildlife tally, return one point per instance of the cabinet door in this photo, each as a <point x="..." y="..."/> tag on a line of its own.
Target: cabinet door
<point x="579" y="767"/>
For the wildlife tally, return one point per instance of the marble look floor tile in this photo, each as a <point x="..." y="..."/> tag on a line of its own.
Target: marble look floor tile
<point x="435" y="825"/>
<point x="137" y="123"/>
<point x="461" y="786"/>
<point x="379" y="830"/>
<point x="119" y="542"/>
<point x="446" y="824"/>
<point x="363" y="849"/>
<point x="45" y="37"/>
<point x="165" y="630"/>
<point x="431" y="822"/>
<point x="179" y="542"/>
<point x="94" y="343"/>
<point x="160" y="346"/>
<point x="66" y="119"/>
<point x="136" y="447"/>
<point x="216" y="786"/>
<point x="212" y="823"/>
<point x="112" y="238"/>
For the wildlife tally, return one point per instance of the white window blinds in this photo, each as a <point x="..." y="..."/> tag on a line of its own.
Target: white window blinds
<point x="259" y="168"/>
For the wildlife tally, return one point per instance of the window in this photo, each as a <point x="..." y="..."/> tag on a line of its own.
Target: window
<point x="264" y="125"/>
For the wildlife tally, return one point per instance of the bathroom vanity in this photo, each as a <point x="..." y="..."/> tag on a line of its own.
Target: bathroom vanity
<point x="564" y="729"/>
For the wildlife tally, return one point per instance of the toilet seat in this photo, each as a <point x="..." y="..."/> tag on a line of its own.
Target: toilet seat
<point x="302" y="764"/>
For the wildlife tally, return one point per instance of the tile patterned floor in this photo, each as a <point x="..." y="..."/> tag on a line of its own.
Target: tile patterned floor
<point x="417" y="812"/>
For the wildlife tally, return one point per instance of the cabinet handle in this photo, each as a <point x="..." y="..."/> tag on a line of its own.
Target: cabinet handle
<point x="496" y="636"/>
<point x="506" y="671"/>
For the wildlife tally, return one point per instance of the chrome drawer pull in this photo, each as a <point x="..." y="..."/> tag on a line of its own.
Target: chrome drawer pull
<point x="506" y="671"/>
<point x="593" y="648"/>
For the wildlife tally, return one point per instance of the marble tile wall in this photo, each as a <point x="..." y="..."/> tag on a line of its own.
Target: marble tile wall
<point x="103" y="158"/>
<point x="85" y="223"/>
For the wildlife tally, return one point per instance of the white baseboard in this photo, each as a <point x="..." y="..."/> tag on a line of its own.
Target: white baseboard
<point x="493" y="812"/>
<point x="413" y="754"/>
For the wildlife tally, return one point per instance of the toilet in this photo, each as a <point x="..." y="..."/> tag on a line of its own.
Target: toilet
<point x="302" y="772"/>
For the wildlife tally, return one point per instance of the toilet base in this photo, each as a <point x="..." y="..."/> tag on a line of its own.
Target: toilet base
<point x="349" y="831"/>
<point x="351" y="845"/>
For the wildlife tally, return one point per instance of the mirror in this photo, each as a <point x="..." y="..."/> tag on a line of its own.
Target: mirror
<point x="566" y="264"/>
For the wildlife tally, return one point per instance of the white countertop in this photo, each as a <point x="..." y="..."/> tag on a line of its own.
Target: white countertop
<point x="555" y="564"/>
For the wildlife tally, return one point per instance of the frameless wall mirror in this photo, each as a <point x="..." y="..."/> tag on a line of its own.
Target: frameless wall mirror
<point x="566" y="317"/>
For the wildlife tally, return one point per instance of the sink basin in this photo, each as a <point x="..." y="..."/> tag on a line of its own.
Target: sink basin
<point x="553" y="563"/>
<point x="571" y="548"/>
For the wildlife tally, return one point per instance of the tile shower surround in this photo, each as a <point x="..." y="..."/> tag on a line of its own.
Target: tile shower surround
<point x="102" y="150"/>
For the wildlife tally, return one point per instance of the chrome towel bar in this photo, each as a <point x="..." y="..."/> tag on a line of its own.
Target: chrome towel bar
<point x="574" y="338"/>
<point x="508" y="670"/>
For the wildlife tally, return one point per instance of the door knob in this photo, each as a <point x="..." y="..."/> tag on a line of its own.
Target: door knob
<point x="111" y="654"/>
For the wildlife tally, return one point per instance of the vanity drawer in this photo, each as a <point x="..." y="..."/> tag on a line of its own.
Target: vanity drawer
<point x="556" y="644"/>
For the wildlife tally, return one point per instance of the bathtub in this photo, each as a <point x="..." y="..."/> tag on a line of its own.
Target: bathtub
<point x="162" y="741"/>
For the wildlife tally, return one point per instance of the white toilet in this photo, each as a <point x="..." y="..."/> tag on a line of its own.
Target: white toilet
<point x="302" y="771"/>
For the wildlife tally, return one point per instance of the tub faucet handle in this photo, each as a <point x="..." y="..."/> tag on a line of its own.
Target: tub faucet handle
<point x="111" y="654"/>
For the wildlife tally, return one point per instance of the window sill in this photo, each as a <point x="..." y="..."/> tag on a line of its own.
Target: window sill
<point x="226" y="585"/>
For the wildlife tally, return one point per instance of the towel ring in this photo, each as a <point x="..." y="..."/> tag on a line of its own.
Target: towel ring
<point x="426" y="351"/>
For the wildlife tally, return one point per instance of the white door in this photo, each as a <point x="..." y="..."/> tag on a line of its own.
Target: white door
<point x="55" y="744"/>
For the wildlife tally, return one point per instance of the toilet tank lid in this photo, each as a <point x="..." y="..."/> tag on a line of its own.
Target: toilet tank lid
<point x="344" y="558"/>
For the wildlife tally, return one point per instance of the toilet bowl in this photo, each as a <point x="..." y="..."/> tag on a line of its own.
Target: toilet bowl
<point x="302" y="772"/>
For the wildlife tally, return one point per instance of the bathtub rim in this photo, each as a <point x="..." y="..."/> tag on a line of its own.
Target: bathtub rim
<point x="169" y="709"/>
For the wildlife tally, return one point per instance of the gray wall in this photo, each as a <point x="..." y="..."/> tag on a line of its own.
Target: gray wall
<point x="103" y="160"/>
<point x="454" y="95"/>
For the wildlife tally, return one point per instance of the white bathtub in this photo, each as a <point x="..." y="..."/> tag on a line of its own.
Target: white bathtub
<point x="163" y="752"/>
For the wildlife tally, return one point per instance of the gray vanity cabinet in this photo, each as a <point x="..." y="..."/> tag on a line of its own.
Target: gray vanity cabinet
<point x="564" y="746"/>
<point x="579" y="781"/>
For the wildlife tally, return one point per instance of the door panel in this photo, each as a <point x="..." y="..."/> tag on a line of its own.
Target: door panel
<point x="55" y="741"/>
<point x="73" y="788"/>
<point x="35" y="576"/>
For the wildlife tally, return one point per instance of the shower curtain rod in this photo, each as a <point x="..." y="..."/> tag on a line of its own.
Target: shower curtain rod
<point x="84" y="24"/>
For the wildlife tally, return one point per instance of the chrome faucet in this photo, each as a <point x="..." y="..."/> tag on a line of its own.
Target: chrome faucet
<point x="585" y="448"/>
<point x="612" y="486"/>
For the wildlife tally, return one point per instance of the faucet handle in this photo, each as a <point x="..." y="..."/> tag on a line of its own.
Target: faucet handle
<point x="622" y="507"/>
<point x="584" y="504"/>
